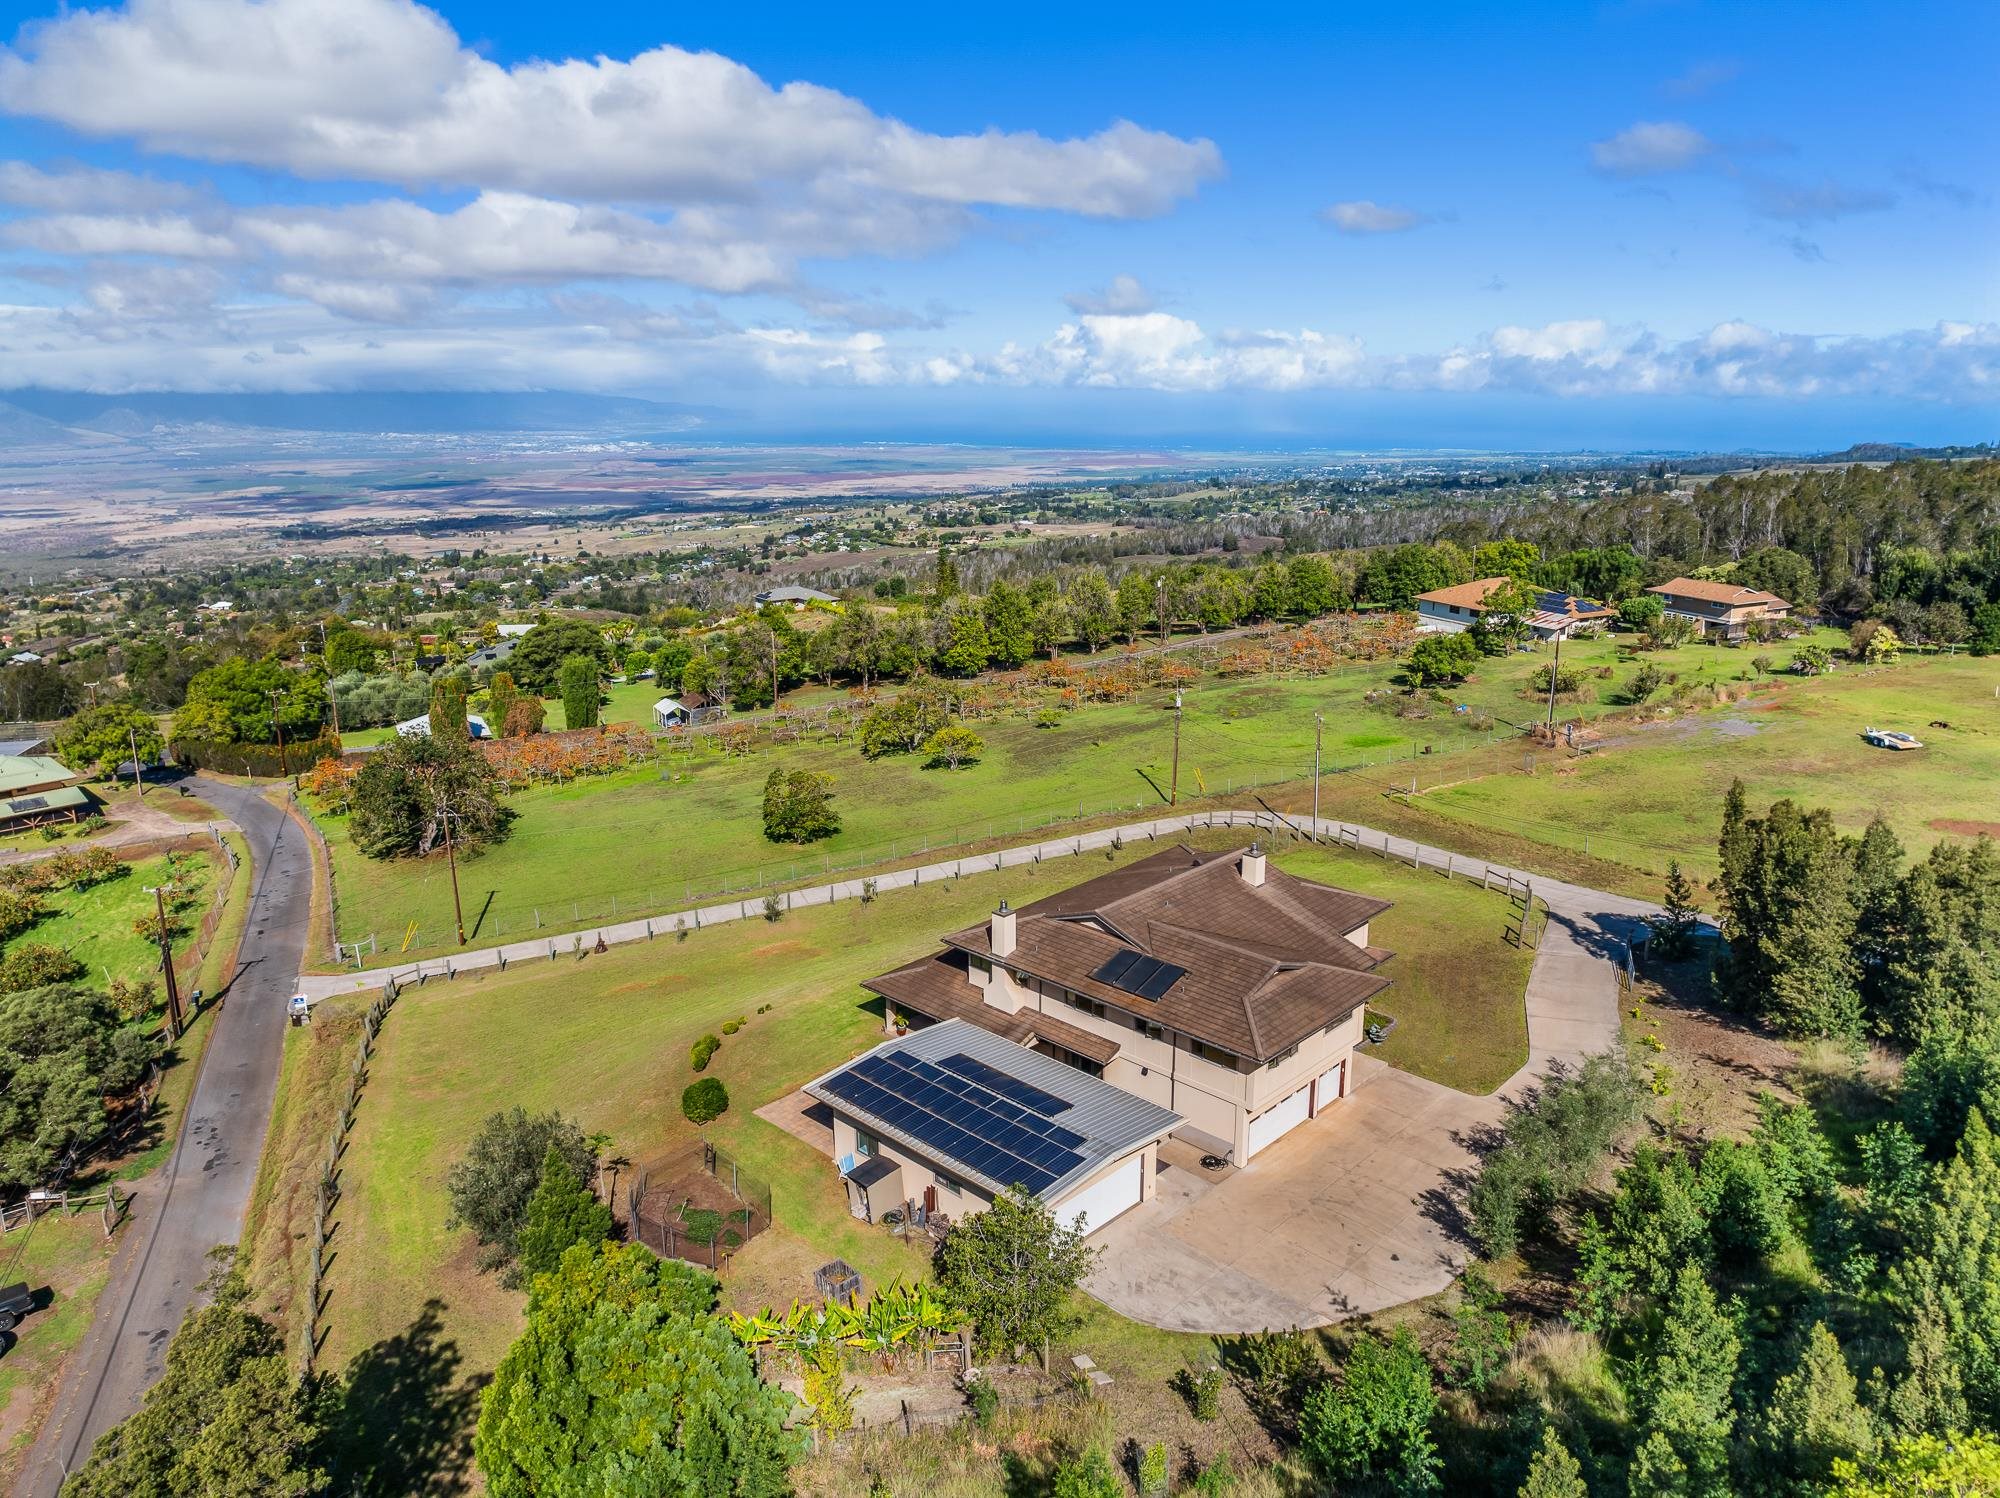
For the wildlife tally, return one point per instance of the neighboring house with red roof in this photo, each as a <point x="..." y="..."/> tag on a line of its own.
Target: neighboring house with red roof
<point x="1554" y="616"/>
<point x="1209" y="984"/>
<point x="1723" y="609"/>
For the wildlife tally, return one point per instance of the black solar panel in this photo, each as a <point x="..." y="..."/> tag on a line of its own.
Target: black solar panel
<point x="1139" y="975"/>
<point x="960" y="1116"/>
<point x="1010" y="1088"/>
<point x="29" y="803"/>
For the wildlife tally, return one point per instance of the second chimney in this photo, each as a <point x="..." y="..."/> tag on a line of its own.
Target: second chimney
<point x="1253" y="865"/>
<point x="1002" y="932"/>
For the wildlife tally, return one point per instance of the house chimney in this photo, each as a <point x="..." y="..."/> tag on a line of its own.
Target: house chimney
<point x="1253" y="866"/>
<point x="1002" y="932"/>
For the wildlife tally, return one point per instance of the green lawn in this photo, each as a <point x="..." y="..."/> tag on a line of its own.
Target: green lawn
<point x="1657" y="794"/>
<point x="96" y="924"/>
<point x="656" y="838"/>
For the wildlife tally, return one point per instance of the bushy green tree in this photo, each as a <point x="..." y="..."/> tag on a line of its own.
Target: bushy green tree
<point x="63" y="1050"/>
<point x="490" y="1186"/>
<point x="1008" y="618"/>
<point x="226" y="1417"/>
<point x="625" y="1382"/>
<point x="704" y="1100"/>
<point x="1015" y="1271"/>
<point x="798" y="806"/>
<point x="1813" y="1419"/>
<point x="1374" y="1424"/>
<point x="900" y="725"/>
<point x="562" y="1213"/>
<point x="100" y="738"/>
<point x="447" y="710"/>
<point x="348" y="649"/>
<point x="1685" y="1380"/>
<point x="954" y="745"/>
<point x="412" y="785"/>
<point x="1314" y="588"/>
<point x="1088" y="1474"/>
<point x="1439" y="658"/>
<point x="539" y="655"/>
<point x="1947" y="1290"/>
<point x="1957" y="1465"/>
<point x="963" y="645"/>
<point x="1553" y="1473"/>
<point x="232" y="703"/>
<point x="1789" y="912"/>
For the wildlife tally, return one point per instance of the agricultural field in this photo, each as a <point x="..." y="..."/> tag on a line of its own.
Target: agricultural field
<point x="1655" y="793"/>
<point x="658" y="836"/>
<point x="606" y="1041"/>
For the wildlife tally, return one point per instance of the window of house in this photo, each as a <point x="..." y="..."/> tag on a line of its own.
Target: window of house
<point x="949" y="1185"/>
<point x="1148" y="1029"/>
<point x="982" y="966"/>
<point x="864" y="1144"/>
<point x="1078" y="1001"/>
<point x="1281" y="1058"/>
<point x="1213" y="1053"/>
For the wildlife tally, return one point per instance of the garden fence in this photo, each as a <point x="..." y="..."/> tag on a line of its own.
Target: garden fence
<point x="697" y="1204"/>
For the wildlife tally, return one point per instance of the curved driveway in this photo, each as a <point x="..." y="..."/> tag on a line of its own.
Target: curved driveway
<point x="196" y="1200"/>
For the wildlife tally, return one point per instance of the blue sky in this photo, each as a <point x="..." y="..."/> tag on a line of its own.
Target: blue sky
<point x="1640" y="223"/>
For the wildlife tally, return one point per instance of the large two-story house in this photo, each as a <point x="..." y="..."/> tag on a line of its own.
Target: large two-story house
<point x="1210" y="984"/>
<point x="1723" y="609"/>
<point x="1555" y="615"/>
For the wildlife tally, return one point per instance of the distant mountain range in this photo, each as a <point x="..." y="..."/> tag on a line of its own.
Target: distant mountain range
<point x="33" y="417"/>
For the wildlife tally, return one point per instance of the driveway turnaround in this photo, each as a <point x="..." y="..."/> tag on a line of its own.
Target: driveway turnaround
<point x="196" y="1201"/>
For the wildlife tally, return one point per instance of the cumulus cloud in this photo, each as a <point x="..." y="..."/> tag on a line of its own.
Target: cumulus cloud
<point x="1650" y="148"/>
<point x="383" y="90"/>
<point x="1363" y="216"/>
<point x="1123" y="295"/>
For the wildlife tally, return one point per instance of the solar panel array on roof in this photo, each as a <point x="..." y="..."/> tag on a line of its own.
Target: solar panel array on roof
<point x="1001" y="1139"/>
<point x="1136" y="973"/>
<point x="28" y="803"/>
<point x="1012" y="1088"/>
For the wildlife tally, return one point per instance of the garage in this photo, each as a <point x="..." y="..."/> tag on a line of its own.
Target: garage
<point x="1327" y="1090"/>
<point x="1275" y="1122"/>
<point x="1105" y="1198"/>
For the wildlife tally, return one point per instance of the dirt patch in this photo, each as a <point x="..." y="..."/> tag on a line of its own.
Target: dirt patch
<point x="1720" y="1061"/>
<point x="1963" y="828"/>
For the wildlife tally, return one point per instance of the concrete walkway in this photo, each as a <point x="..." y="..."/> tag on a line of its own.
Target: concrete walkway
<point x="197" y="1200"/>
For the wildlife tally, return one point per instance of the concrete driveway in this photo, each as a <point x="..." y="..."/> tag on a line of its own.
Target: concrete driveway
<point x="1337" y="1218"/>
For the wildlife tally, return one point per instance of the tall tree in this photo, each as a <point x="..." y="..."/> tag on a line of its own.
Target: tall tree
<point x="1790" y="915"/>
<point x="624" y="1382"/>
<point x="414" y="786"/>
<point x="101" y="738"/>
<point x="578" y="679"/>
<point x="1686" y="1379"/>
<point x="1553" y="1473"/>
<point x="1948" y="1289"/>
<point x="1374" y="1425"/>
<point x="226" y="1417"/>
<point x="1813" y="1419"/>
<point x="491" y="1185"/>
<point x="1008" y="625"/>
<point x="1015" y="1270"/>
<point x="562" y="1213"/>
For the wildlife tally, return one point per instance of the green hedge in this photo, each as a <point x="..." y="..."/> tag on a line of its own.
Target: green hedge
<point x="254" y="759"/>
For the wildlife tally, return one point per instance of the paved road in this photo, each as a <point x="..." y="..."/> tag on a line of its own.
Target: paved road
<point x="197" y="1199"/>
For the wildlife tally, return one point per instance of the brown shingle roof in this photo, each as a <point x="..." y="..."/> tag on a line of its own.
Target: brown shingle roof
<point x="1470" y="595"/>
<point x="1263" y="966"/>
<point x="1732" y="595"/>
<point x="938" y="988"/>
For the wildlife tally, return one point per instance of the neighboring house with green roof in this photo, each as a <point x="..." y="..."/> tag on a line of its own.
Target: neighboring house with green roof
<point x="25" y="774"/>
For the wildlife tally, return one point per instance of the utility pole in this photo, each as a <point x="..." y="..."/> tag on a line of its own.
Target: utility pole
<point x="1174" y="786"/>
<point x="1319" y="730"/>
<point x="1555" y="670"/>
<point x="138" y="780"/>
<point x="159" y="894"/>
<point x="451" y="861"/>
<point x="279" y="729"/>
<point x="331" y="700"/>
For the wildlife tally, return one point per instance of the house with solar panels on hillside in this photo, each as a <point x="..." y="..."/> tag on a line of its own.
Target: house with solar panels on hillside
<point x="1217" y="998"/>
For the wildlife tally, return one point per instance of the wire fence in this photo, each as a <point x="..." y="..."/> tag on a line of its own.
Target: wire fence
<point x="697" y="1204"/>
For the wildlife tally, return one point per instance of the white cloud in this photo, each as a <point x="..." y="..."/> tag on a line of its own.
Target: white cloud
<point x="382" y="90"/>
<point x="1802" y="204"/>
<point x="82" y="189"/>
<point x="1651" y="147"/>
<point x="1702" y="77"/>
<point x="1123" y="295"/>
<point x="1365" y="217"/>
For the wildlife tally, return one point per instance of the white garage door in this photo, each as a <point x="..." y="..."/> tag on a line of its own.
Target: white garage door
<point x="1104" y="1199"/>
<point x="1280" y="1120"/>
<point x="1329" y="1085"/>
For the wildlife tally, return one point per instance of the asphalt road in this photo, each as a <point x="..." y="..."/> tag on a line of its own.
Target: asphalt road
<point x="197" y="1199"/>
